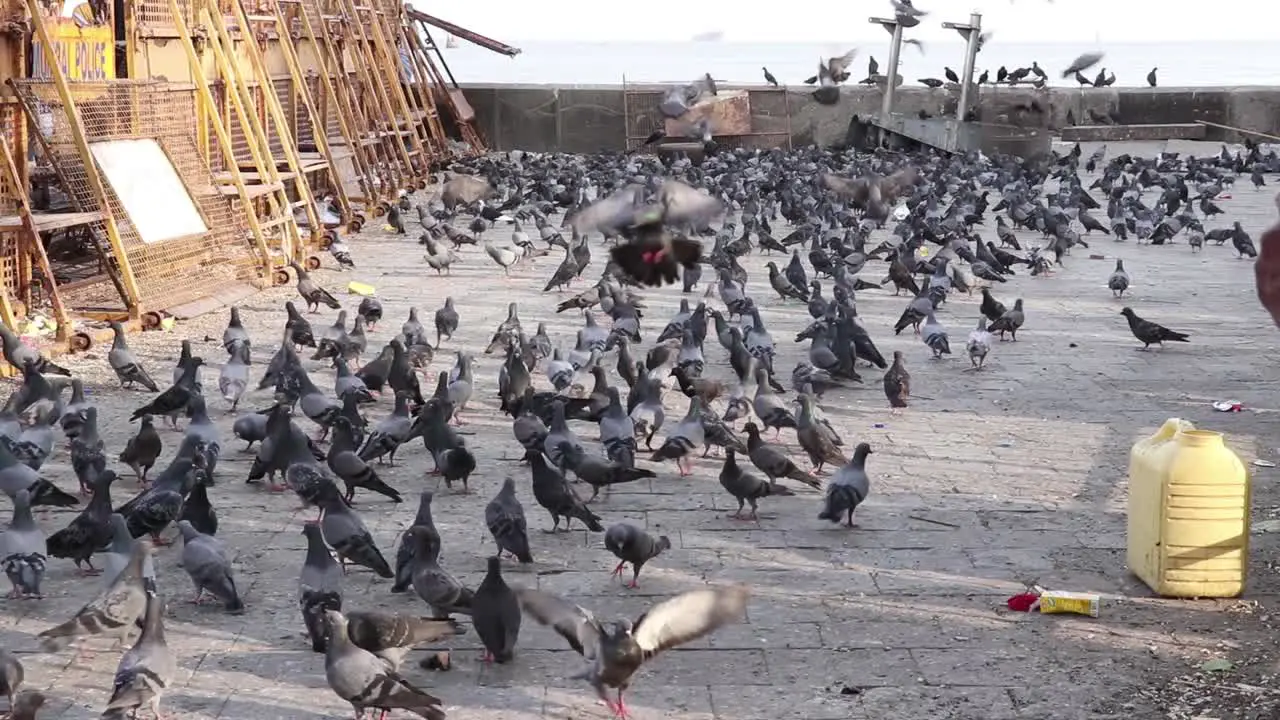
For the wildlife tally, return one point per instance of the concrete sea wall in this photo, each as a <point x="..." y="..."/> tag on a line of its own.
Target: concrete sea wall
<point x="591" y="118"/>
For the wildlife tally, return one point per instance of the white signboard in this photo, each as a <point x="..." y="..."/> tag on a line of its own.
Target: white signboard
<point x="141" y="175"/>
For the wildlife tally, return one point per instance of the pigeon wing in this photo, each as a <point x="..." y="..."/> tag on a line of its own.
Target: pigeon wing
<point x="573" y="623"/>
<point x="688" y="617"/>
<point x="685" y="205"/>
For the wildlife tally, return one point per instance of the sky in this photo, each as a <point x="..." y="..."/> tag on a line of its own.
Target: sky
<point x="1013" y="21"/>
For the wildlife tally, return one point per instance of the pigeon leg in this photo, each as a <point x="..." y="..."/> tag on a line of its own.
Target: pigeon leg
<point x="635" y="581"/>
<point x="159" y="541"/>
<point x="621" y="708"/>
<point x="618" y="570"/>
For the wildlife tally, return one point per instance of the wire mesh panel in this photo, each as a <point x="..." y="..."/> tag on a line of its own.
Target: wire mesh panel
<point x="156" y="14"/>
<point x="307" y="131"/>
<point x="770" y="118"/>
<point x="283" y="88"/>
<point x="169" y="272"/>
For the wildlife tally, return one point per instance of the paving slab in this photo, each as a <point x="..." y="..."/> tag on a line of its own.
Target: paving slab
<point x="999" y="478"/>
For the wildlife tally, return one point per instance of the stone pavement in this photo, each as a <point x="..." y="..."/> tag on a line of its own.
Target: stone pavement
<point x="1011" y="475"/>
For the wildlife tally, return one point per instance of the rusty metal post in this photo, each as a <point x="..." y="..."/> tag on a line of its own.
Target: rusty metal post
<point x="970" y="32"/>
<point x="895" y="52"/>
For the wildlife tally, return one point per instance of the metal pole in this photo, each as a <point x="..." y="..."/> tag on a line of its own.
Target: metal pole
<point x="891" y="79"/>
<point x="970" y="56"/>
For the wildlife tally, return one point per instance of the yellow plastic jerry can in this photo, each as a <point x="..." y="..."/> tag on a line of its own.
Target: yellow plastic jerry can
<point x="1188" y="513"/>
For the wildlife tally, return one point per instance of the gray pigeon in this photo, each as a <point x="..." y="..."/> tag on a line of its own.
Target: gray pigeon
<point x="319" y="587"/>
<point x="205" y="559"/>
<point x="27" y="705"/>
<point x="632" y="545"/>
<point x="11" y="675"/>
<point x="935" y="336"/>
<point x="504" y="515"/>
<point x="848" y="488"/>
<point x="145" y="670"/>
<point x="127" y="367"/>
<point x="116" y="557"/>
<point x="684" y="438"/>
<point x="404" y="551"/>
<point x="617" y="649"/>
<point x="114" y="612"/>
<point x="23" y="550"/>
<point x="346" y="533"/>
<point x="391" y="637"/>
<point x="495" y="613"/>
<point x="437" y="588"/>
<point x="364" y="680"/>
<point x="234" y="376"/>
<point x="745" y="487"/>
<point x="446" y="321"/>
<point x="1119" y="280"/>
<point x="15" y="476"/>
<point x="88" y="451"/>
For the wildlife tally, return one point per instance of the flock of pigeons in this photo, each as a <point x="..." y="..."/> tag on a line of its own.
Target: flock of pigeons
<point x="664" y="221"/>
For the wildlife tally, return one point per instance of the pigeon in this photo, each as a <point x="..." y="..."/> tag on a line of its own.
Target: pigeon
<point x="437" y="588"/>
<point x="27" y="704"/>
<point x="772" y="462"/>
<point x="174" y="401"/>
<point x="141" y="451"/>
<point x="848" y="488"/>
<point x="404" y="550"/>
<point x="371" y="310"/>
<point x="145" y="670"/>
<point x="127" y="367"/>
<point x="745" y="487"/>
<point x="935" y="336"/>
<point x="446" y="321"/>
<point x="632" y="545"/>
<point x="979" y="344"/>
<point x="683" y="439"/>
<point x="1082" y="63"/>
<point x="1119" y="280"/>
<point x="23" y="550"/>
<point x="90" y="531"/>
<point x="504" y="515"/>
<point x="365" y="680"/>
<point x="347" y="465"/>
<point x="20" y="355"/>
<point x="616" y="650"/>
<point x="233" y="379"/>
<point x="552" y="491"/>
<point x="198" y="510"/>
<point x="115" y="610"/>
<point x="1149" y="333"/>
<point x="343" y="529"/>
<point x="88" y="456"/>
<point x="71" y="419"/>
<point x="495" y="614"/>
<point x="11" y="676"/>
<point x="117" y="554"/>
<point x="319" y="587"/>
<point x="653" y="255"/>
<point x="598" y="472"/>
<point x="235" y="334"/>
<point x="205" y="560"/>
<point x="15" y="476"/>
<point x="391" y="637"/>
<point x="1010" y="321"/>
<point x="313" y="294"/>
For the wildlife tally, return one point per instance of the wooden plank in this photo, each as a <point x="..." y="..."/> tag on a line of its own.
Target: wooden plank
<point x="49" y="221"/>
<point x="1117" y="133"/>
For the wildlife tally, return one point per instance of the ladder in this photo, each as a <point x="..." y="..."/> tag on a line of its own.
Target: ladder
<point x="383" y="111"/>
<point x="426" y="45"/>
<point x="418" y="90"/>
<point x="351" y="124"/>
<point x="277" y="223"/>
<point x="285" y="131"/>
<point x="31" y="236"/>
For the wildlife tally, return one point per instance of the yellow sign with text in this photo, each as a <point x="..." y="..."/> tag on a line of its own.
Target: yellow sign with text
<point x="84" y="54"/>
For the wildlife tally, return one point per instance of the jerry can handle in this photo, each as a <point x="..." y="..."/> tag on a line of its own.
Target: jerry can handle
<point x="1172" y="427"/>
